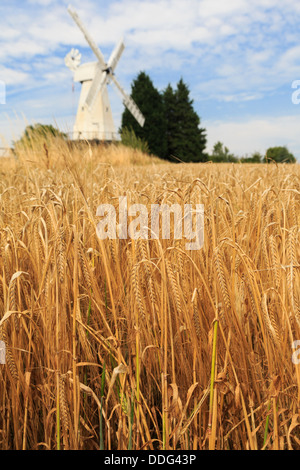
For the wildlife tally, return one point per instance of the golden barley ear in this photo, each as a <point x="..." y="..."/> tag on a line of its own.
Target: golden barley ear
<point x="10" y="360"/>
<point x="292" y="274"/>
<point x="196" y="317"/>
<point x="174" y="287"/>
<point x="269" y="319"/>
<point x="8" y="261"/>
<point x="275" y="261"/>
<point x="64" y="408"/>
<point x="147" y="280"/>
<point x="61" y="254"/>
<point x="136" y="286"/>
<point x="84" y="268"/>
<point x="218" y="264"/>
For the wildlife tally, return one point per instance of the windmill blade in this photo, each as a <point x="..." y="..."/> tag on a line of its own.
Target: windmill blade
<point x="90" y="41"/>
<point x="115" y="56"/>
<point x="98" y="83"/>
<point x="129" y="103"/>
<point x="102" y="76"/>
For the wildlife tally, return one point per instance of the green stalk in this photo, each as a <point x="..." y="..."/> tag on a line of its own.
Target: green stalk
<point x="131" y="417"/>
<point x="267" y="425"/>
<point x="213" y="370"/>
<point x="101" y="414"/>
<point x="101" y="425"/>
<point x="137" y="388"/>
<point x="57" y="421"/>
<point x="87" y="334"/>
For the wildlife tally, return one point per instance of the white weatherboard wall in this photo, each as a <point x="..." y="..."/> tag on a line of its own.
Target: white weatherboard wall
<point x="96" y="123"/>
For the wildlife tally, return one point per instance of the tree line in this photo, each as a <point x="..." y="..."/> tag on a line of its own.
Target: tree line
<point x="279" y="154"/>
<point x="172" y="129"/>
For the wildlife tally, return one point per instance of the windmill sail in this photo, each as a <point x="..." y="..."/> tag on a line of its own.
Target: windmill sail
<point x="129" y="103"/>
<point x="115" y="56"/>
<point x="88" y="38"/>
<point x="97" y="86"/>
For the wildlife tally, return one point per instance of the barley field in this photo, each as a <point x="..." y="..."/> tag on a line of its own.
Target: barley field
<point x="141" y="344"/>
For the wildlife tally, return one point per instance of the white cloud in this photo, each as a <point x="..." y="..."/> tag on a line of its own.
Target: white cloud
<point x="255" y="134"/>
<point x="40" y="2"/>
<point x="12" y="77"/>
<point x="208" y="8"/>
<point x="8" y="33"/>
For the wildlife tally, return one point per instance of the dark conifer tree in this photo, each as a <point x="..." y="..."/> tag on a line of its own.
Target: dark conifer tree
<point x="150" y="102"/>
<point x="169" y="100"/>
<point x="186" y="140"/>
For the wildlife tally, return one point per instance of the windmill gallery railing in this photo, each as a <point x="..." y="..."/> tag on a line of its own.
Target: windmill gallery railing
<point x="94" y="136"/>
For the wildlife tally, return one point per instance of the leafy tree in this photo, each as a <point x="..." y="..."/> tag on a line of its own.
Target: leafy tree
<point x="38" y="133"/>
<point x="279" y="155"/>
<point x="185" y="139"/>
<point x="150" y="102"/>
<point x="256" y="157"/>
<point x="221" y="153"/>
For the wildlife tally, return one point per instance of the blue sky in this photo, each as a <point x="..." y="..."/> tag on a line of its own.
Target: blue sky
<point x="238" y="58"/>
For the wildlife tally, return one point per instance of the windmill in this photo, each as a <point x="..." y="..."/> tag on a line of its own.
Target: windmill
<point x="94" y="117"/>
